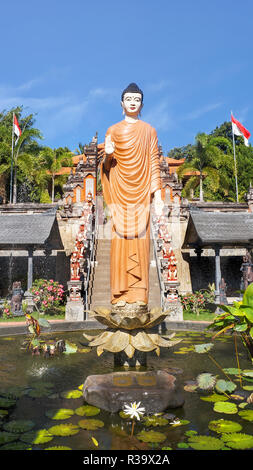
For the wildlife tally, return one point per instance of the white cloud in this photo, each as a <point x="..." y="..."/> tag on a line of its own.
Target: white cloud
<point x="201" y="111"/>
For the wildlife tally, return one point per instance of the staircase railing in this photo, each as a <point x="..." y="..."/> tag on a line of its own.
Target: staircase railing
<point x="91" y="259"/>
<point x="158" y="266"/>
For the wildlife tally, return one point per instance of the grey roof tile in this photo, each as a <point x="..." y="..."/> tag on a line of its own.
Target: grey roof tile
<point x="23" y="229"/>
<point x="224" y="228"/>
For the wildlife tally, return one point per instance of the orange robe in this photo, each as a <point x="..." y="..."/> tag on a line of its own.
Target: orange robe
<point x="133" y="177"/>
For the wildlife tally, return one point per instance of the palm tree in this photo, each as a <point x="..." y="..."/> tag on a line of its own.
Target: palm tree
<point x="80" y="149"/>
<point x="209" y="162"/>
<point x="22" y="151"/>
<point x="25" y="147"/>
<point x="52" y="161"/>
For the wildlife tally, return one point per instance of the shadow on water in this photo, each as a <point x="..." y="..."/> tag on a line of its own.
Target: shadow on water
<point x="38" y="384"/>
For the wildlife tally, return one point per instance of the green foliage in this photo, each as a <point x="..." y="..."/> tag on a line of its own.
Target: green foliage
<point x="18" y="426"/>
<point x="90" y="424"/>
<point x="52" y="161"/>
<point x="155" y="421"/>
<point x="198" y="301"/>
<point x="246" y="414"/>
<point x="87" y="410"/>
<point x="72" y="394"/>
<point x="224" y="426"/>
<point x="36" y="437"/>
<point x="44" y="197"/>
<point x="203" y="348"/>
<point x="238" y="440"/>
<point x="64" y="430"/>
<point x="48" y="294"/>
<point x="58" y="448"/>
<point x="214" y="397"/>
<point x="225" y="386"/>
<point x="212" y="157"/>
<point x="61" y="413"/>
<point x="225" y="407"/>
<point x="237" y="318"/>
<point x="205" y="443"/>
<point x="206" y="381"/>
<point x="151" y="436"/>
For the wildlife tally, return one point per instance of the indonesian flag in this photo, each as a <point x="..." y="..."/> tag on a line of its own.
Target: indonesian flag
<point x="238" y="129"/>
<point x="17" y="130"/>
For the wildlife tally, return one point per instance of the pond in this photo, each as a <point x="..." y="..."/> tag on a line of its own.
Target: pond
<point x="34" y="388"/>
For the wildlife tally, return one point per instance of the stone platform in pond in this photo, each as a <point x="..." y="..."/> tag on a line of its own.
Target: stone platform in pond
<point x="156" y="390"/>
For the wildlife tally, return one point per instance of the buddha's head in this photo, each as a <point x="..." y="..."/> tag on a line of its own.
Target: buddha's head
<point x="132" y="100"/>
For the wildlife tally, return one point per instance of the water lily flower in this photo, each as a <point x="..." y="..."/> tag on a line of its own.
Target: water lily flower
<point x="134" y="410"/>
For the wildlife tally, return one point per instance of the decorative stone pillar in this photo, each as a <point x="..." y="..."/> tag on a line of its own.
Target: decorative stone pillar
<point x="74" y="308"/>
<point x="217" y="274"/>
<point x="28" y="295"/>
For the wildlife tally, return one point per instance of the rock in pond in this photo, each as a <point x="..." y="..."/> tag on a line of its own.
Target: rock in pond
<point x="156" y="390"/>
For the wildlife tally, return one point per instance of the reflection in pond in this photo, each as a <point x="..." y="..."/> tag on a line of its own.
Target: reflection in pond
<point x="41" y="405"/>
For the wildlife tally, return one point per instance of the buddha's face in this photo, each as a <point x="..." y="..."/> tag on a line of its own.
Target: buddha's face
<point x="132" y="104"/>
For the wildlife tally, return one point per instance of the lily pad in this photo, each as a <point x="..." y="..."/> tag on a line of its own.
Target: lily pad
<point x="7" y="402"/>
<point x="248" y="372"/>
<point x="224" y="426"/>
<point x="179" y="422"/>
<point x="231" y="370"/>
<point x="203" y="348"/>
<point x="58" y="448"/>
<point x="238" y="440"/>
<point x="87" y="410"/>
<point x="90" y="424"/>
<point x="224" y="386"/>
<point x="155" y="421"/>
<point x="16" y="446"/>
<point x="71" y="348"/>
<point x="43" y="322"/>
<point x="206" y="381"/>
<point x="205" y="443"/>
<point x="72" y="394"/>
<point x="7" y="437"/>
<point x="190" y="433"/>
<point x="64" y="430"/>
<point x="18" y="426"/>
<point x="151" y="436"/>
<point x="41" y="389"/>
<point x="214" y="398"/>
<point x="3" y="413"/>
<point x="61" y="413"/>
<point x="246" y="414"/>
<point x="37" y="437"/>
<point x="183" y="445"/>
<point x="225" y="407"/>
<point x="123" y="415"/>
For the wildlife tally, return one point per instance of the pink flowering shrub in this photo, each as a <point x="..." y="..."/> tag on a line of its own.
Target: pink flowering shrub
<point x="197" y="302"/>
<point x="48" y="295"/>
<point x="6" y="311"/>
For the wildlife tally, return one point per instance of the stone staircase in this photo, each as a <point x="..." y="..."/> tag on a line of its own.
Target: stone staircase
<point x="99" y="285"/>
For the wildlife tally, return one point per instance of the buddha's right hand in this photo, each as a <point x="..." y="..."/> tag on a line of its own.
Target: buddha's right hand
<point x="109" y="145"/>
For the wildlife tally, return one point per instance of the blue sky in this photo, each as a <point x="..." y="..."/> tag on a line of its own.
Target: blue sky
<point x="68" y="61"/>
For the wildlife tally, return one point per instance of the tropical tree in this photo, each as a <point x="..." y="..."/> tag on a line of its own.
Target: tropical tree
<point x="211" y="161"/>
<point x="26" y="147"/>
<point x="52" y="161"/>
<point x="80" y="149"/>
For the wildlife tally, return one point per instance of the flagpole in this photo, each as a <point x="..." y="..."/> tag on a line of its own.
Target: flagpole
<point x="236" y="182"/>
<point x="12" y="152"/>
